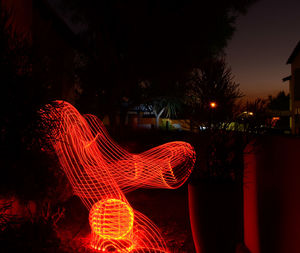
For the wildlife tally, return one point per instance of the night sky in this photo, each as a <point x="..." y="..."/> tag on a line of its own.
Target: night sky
<point x="261" y="45"/>
<point x="259" y="49"/>
<point x="264" y="39"/>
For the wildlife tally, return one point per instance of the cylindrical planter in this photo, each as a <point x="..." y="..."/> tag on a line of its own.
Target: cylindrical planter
<point x="271" y="195"/>
<point x="216" y="216"/>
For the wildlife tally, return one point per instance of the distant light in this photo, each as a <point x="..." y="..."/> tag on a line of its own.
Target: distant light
<point x="274" y="121"/>
<point x="248" y="113"/>
<point x="213" y="104"/>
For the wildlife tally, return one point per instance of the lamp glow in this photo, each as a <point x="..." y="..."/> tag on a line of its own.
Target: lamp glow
<point x="213" y="104"/>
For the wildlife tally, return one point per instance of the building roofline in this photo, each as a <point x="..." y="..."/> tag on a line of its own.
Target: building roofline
<point x="294" y="53"/>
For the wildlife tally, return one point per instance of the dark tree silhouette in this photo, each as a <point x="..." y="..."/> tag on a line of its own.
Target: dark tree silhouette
<point x="159" y="41"/>
<point x="24" y="167"/>
<point x="280" y="102"/>
<point x="212" y="82"/>
<point x="27" y="175"/>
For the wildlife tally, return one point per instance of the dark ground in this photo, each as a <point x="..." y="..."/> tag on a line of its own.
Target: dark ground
<point x="168" y="209"/>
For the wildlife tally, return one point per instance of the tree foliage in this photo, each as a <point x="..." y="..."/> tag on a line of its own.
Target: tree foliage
<point x="166" y="101"/>
<point x="159" y="41"/>
<point x="24" y="167"/>
<point x="280" y="102"/>
<point x="212" y="82"/>
<point x="253" y="116"/>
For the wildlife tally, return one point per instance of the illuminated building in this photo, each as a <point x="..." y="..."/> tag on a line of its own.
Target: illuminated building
<point x="294" y="88"/>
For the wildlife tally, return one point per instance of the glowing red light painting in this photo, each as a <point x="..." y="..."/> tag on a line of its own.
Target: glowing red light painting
<point x="100" y="172"/>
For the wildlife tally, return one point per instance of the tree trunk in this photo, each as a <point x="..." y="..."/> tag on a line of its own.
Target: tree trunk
<point x="157" y="116"/>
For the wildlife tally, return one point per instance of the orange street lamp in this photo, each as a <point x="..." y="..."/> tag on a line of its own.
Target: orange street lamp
<point x="213" y="105"/>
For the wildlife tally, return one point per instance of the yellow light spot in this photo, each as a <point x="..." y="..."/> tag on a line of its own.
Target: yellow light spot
<point x="213" y="105"/>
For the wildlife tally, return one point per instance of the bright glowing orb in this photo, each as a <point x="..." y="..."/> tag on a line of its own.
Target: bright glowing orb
<point x="111" y="219"/>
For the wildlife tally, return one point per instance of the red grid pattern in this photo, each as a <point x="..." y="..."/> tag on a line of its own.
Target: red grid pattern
<point x="100" y="172"/>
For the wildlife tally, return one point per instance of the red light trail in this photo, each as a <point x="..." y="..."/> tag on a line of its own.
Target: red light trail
<point x="100" y="172"/>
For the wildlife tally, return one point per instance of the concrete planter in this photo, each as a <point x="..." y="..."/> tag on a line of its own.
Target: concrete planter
<point x="216" y="216"/>
<point x="271" y="195"/>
